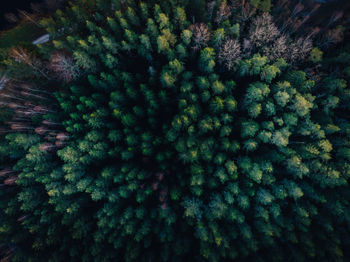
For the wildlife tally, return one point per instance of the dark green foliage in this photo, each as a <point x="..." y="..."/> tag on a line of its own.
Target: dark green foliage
<point x="169" y="152"/>
<point x="25" y="32"/>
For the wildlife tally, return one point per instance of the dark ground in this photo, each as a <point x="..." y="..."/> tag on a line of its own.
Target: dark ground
<point x="11" y="6"/>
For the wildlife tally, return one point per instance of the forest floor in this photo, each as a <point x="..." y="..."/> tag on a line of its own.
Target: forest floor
<point x="24" y="33"/>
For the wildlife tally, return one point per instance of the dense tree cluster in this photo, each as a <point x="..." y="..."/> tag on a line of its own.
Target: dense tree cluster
<point x="176" y="130"/>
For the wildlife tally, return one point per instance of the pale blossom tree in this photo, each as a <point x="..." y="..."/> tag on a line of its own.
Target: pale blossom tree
<point x="297" y="9"/>
<point x="245" y="10"/>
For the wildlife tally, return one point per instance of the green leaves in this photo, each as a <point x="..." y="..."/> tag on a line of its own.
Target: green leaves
<point x="316" y="55"/>
<point x="269" y="72"/>
<point x="218" y="87"/>
<point x="249" y="129"/>
<point x="193" y="208"/>
<point x="280" y="137"/>
<point x="301" y="105"/>
<point x="180" y="139"/>
<point x="206" y="60"/>
<point x="163" y="45"/>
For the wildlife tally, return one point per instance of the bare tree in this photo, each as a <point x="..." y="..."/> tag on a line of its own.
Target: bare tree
<point x="223" y="12"/>
<point x="21" y="55"/>
<point x="62" y="136"/>
<point x="335" y="17"/>
<point x="51" y="123"/>
<point x="278" y="48"/>
<point x="247" y="47"/>
<point x="263" y="30"/>
<point x="28" y="16"/>
<point x="299" y="49"/>
<point x="64" y="67"/>
<point x="297" y="9"/>
<point x="229" y="52"/>
<point x="47" y="147"/>
<point x="210" y="9"/>
<point x="332" y="36"/>
<point x="245" y="10"/>
<point x="10" y="181"/>
<point x="6" y="172"/>
<point x="200" y="35"/>
<point x="3" y="81"/>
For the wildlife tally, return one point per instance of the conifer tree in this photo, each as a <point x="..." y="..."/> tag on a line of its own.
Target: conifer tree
<point x="171" y="131"/>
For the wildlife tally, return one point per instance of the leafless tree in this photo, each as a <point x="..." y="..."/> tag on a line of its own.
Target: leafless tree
<point x="263" y="30"/>
<point x="36" y="90"/>
<point x="64" y="67"/>
<point x="210" y="9"/>
<point x="62" y="136"/>
<point x="3" y="81"/>
<point x="22" y="218"/>
<point x="331" y="36"/>
<point x="200" y="35"/>
<point x="314" y="32"/>
<point x="278" y="49"/>
<point x="229" y="52"/>
<point x="47" y="147"/>
<point x="22" y="55"/>
<point x="60" y="143"/>
<point x="245" y="10"/>
<point x="30" y="17"/>
<point x="50" y="123"/>
<point x="224" y="12"/>
<point x="299" y="49"/>
<point x="43" y="109"/>
<point x="10" y="181"/>
<point x="41" y="130"/>
<point x="6" y="172"/>
<point x="297" y="9"/>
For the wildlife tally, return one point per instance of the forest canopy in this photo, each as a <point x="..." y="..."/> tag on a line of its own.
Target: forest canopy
<point x="180" y="130"/>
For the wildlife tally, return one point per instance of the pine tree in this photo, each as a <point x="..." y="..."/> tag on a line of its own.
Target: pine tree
<point x="185" y="130"/>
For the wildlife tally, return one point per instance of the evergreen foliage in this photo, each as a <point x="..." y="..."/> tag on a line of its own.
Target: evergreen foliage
<point x="181" y="130"/>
